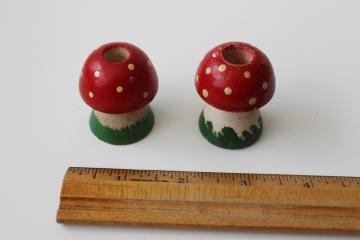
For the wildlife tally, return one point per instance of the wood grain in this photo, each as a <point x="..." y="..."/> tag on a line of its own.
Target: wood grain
<point x="212" y="200"/>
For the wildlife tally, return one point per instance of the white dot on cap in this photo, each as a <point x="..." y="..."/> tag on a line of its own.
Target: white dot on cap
<point x="222" y="68"/>
<point x="208" y="70"/>
<point x="213" y="55"/>
<point x="227" y="90"/>
<point x="91" y="94"/>
<point x="146" y="94"/>
<point x="247" y="74"/>
<point x="119" y="89"/>
<point x="197" y="78"/>
<point x="205" y="93"/>
<point x="131" y="66"/>
<point x="252" y="101"/>
<point x="97" y="73"/>
<point x="265" y="85"/>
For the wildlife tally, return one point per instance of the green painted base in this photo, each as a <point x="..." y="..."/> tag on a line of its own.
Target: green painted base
<point x="227" y="137"/>
<point x="123" y="136"/>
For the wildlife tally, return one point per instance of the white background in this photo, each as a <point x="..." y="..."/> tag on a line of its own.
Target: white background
<point x="311" y="125"/>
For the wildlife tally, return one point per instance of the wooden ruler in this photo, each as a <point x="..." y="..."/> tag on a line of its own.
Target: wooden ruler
<point x="213" y="200"/>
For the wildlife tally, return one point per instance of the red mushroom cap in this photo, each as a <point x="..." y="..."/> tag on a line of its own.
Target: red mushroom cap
<point x="235" y="77"/>
<point x="118" y="78"/>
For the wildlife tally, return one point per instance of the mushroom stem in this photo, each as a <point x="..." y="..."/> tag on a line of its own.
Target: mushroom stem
<point x="119" y="121"/>
<point x="231" y="130"/>
<point x="122" y="128"/>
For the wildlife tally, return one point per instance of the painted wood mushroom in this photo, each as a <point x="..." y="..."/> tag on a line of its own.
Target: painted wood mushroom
<point x="118" y="81"/>
<point x="234" y="79"/>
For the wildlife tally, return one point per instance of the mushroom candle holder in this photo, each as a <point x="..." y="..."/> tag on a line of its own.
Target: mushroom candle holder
<point x="118" y="81"/>
<point x="234" y="79"/>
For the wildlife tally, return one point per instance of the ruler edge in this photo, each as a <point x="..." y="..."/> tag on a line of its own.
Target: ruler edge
<point x="190" y="171"/>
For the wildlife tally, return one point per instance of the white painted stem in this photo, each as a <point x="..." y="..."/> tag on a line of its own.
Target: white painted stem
<point x="118" y="121"/>
<point x="239" y="121"/>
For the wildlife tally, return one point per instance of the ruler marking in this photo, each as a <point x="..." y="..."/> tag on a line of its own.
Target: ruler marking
<point x="358" y="181"/>
<point x="249" y="180"/>
<point x="125" y="177"/>
<point x="342" y="183"/>
<point x="317" y="179"/>
<point x="354" y="179"/>
<point x="304" y="179"/>
<point x="94" y="175"/>
<point x="311" y="182"/>
<point x="221" y="178"/>
<point x="296" y="179"/>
